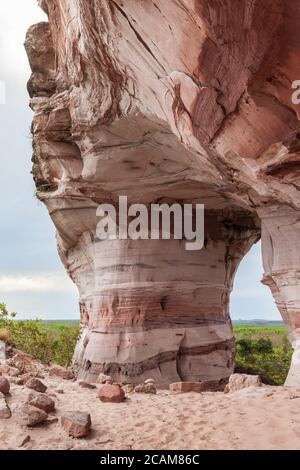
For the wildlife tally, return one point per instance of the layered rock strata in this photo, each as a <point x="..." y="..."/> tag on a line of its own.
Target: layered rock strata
<point x="168" y="101"/>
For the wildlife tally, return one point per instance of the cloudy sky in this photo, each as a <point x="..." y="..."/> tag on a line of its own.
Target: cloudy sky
<point x="32" y="279"/>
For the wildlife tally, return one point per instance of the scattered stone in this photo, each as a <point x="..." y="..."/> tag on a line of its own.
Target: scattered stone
<point x="51" y="394"/>
<point x="240" y="381"/>
<point x="5" y="412"/>
<point x="36" y="384"/>
<point x="128" y="388"/>
<point x="16" y="380"/>
<point x="24" y="363"/>
<point x="103" y="379"/>
<point x="41" y="401"/>
<point x="76" y="423"/>
<point x="4" y="386"/>
<point x="11" y="371"/>
<point x="146" y="388"/>
<point x="61" y="372"/>
<point x="198" y="387"/>
<point x="59" y="390"/>
<point x="31" y="415"/>
<point x="24" y="439"/>
<point x="4" y="369"/>
<point x="87" y="385"/>
<point x="111" y="393"/>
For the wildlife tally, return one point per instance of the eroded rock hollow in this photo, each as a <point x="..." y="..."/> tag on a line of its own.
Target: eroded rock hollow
<point x="169" y="101"/>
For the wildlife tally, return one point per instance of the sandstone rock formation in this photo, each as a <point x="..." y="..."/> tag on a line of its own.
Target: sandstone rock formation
<point x="169" y="101"/>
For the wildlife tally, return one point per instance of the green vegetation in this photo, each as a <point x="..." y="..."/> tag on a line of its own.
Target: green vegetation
<point x="48" y="341"/>
<point x="263" y="350"/>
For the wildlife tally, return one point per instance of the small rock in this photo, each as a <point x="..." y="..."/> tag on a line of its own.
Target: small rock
<point x="240" y="381"/>
<point x="51" y="394"/>
<point x="24" y="362"/>
<point x="128" y="388"/>
<point x="149" y="381"/>
<point x="145" y="388"/>
<point x="111" y="393"/>
<point x="31" y="416"/>
<point x="61" y="372"/>
<point x="41" y="401"/>
<point x="4" y="369"/>
<point x="198" y="387"/>
<point x="22" y="440"/>
<point x="16" y="380"/>
<point x="59" y="390"/>
<point x="102" y="379"/>
<point x="12" y="371"/>
<point x="4" y="386"/>
<point x="52" y="420"/>
<point x="77" y="423"/>
<point x="86" y="385"/>
<point x="5" y="412"/>
<point x="36" y="384"/>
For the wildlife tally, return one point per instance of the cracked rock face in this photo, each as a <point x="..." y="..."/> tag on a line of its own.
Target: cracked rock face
<point x="169" y="101"/>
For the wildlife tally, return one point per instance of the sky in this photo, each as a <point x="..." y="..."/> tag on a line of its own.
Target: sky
<point x="32" y="279"/>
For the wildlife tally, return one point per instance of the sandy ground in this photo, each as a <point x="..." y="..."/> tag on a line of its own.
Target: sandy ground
<point x="253" y="418"/>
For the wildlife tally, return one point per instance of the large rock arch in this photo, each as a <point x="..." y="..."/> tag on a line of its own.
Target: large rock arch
<point x="186" y="101"/>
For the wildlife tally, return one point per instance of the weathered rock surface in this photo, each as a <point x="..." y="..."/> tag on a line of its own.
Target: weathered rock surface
<point x="76" y="423"/>
<point x="61" y="372"/>
<point x="4" y="386"/>
<point x="36" y="384"/>
<point x="5" y="412"/>
<point x="169" y="102"/>
<point x="103" y="379"/>
<point x="240" y="381"/>
<point x="111" y="393"/>
<point x="145" y="388"/>
<point x="31" y="415"/>
<point x="41" y="401"/>
<point x="86" y="385"/>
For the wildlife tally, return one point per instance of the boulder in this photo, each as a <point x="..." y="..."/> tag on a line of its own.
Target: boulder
<point x="31" y="415"/>
<point x="128" y="388"/>
<point x="5" y="411"/>
<point x="4" y="386"/>
<point x="41" y="401"/>
<point x="102" y="379"/>
<point x="36" y="384"/>
<point x="11" y="371"/>
<point x="76" y="423"/>
<point x="61" y="372"/>
<point x="146" y="388"/>
<point x="240" y="381"/>
<point x="111" y="393"/>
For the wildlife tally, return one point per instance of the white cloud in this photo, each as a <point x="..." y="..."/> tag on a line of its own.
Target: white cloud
<point x="41" y="282"/>
<point x="15" y="18"/>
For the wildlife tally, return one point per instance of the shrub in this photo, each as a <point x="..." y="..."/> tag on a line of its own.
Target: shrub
<point x="34" y="338"/>
<point x="267" y="353"/>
